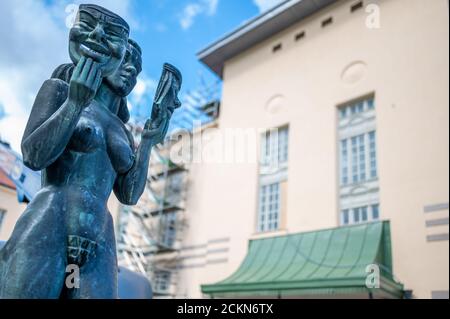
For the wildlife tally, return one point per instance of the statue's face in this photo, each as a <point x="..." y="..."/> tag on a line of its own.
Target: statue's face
<point x="124" y="79"/>
<point x="98" y="36"/>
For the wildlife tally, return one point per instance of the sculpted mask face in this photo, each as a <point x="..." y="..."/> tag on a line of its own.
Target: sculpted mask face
<point x="170" y="99"/>
<point x="124" y="79"/>
<point x="101" y="35"/>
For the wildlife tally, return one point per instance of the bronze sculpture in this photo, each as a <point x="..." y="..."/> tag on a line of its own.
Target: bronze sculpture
<point x="76" y="135"/>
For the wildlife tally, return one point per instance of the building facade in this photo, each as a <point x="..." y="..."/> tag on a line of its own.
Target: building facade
<point x="10" y="208"/>
<point x="359" y="91"/>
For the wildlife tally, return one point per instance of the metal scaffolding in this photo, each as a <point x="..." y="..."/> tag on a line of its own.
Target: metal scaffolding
<point x="150" y="234"/>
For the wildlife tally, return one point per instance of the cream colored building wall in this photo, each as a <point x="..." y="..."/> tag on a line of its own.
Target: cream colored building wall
<point x="405" y="64"/>
<point x="9" y="203"/>
<point x="219" y="222"/>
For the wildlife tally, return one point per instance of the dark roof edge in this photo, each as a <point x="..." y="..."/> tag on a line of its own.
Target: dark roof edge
<point x="246" y="26"/>
<point x="257" y="30"/>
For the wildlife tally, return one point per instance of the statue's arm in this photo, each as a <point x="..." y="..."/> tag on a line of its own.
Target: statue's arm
<point x="129" y="187"/>
<point x="49" y="126"/>
<point x="55" y="114"/>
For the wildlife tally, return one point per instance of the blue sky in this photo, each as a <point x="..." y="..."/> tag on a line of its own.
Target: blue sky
<point x="34" y="37"/>
<point x="174" y="31"/>
<point x="163" y="37"/>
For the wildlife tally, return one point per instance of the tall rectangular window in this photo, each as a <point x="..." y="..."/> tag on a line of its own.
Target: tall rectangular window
<point x="168" y="229"/>
<point x="274" y="148"/>
<point x="358" y="172"/>
<point x="356" y="215"/>
<point x="375" y="214"/>
<point x="283" y="145"/>
<point x="372" y="155"/>
<point x="273" y="172"/>
<point x="344" y="162"/>
<point x="364" y="216"/>
<point x="359" y="154"/>
<point x="161" y="281"/>
<point x="269" y="205"/>
<point x="362" y="158"/>
<point x="346" y="217"/>
<point x="355" y="175"/>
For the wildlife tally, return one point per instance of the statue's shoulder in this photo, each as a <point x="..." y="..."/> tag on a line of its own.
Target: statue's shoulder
<point x="56" y="84"/>
<point x="54" y="90"/>
<point x="49" y="99"/>
<point x="64" y="72"/>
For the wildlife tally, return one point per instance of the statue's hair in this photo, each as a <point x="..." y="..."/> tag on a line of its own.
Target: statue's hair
<point x="135" y="45"/>
<point x="174" y="71"/>
<point x="64" y="72"/>
<point x="111" y="15"/>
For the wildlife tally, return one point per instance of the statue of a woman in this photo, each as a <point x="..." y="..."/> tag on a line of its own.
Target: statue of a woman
<point x="77" y="137"/>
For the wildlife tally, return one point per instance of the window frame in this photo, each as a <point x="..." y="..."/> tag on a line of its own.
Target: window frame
<point x="273" y="166"/>
<point x="357" y="167"/>
<point x="158" y="280"/>
<point x="347" y="215"/>
<point x="269" y="208"/>
<point x="168" y="236"/>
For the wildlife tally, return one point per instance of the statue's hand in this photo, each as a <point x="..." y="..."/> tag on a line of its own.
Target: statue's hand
<point x="85" y="81"/>
<point x="155" y="129"/>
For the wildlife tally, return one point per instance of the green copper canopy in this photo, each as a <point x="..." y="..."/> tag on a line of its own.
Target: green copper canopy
<point x="325" y="263"/>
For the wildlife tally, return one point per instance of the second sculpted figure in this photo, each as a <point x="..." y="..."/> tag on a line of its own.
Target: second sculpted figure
<point x="76" y="135"/>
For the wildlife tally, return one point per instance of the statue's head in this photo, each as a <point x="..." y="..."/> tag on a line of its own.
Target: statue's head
<point x="124" y="79"/>
<point x="99" y="34"/>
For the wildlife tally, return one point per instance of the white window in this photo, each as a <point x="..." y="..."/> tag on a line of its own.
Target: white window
<point x="161" y="282"/>
<point x="274" y="147"/>
<point x="168" y="229"/>
<point x="358" y="173"/>
<point x="362" y="160"/>
<point x="273" y="172"/>
<point x="269" y="207"/>
<point x="344" y="162"/>
<point x="358" y="215"/>
<point x="372" y="155"/>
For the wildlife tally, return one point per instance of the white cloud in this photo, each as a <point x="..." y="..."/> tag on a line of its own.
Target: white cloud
<point x="264" y="5"/>
<point x="160" y="27"/>
<point x="34" y="42"/>
<point x="121" y="7"/>
<point x="189" y="13"/>
<point x="212" y="6"/>
<point x="193" y="9"/>
<point x="145" y="87"/>
<point x="140" y="100"/>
